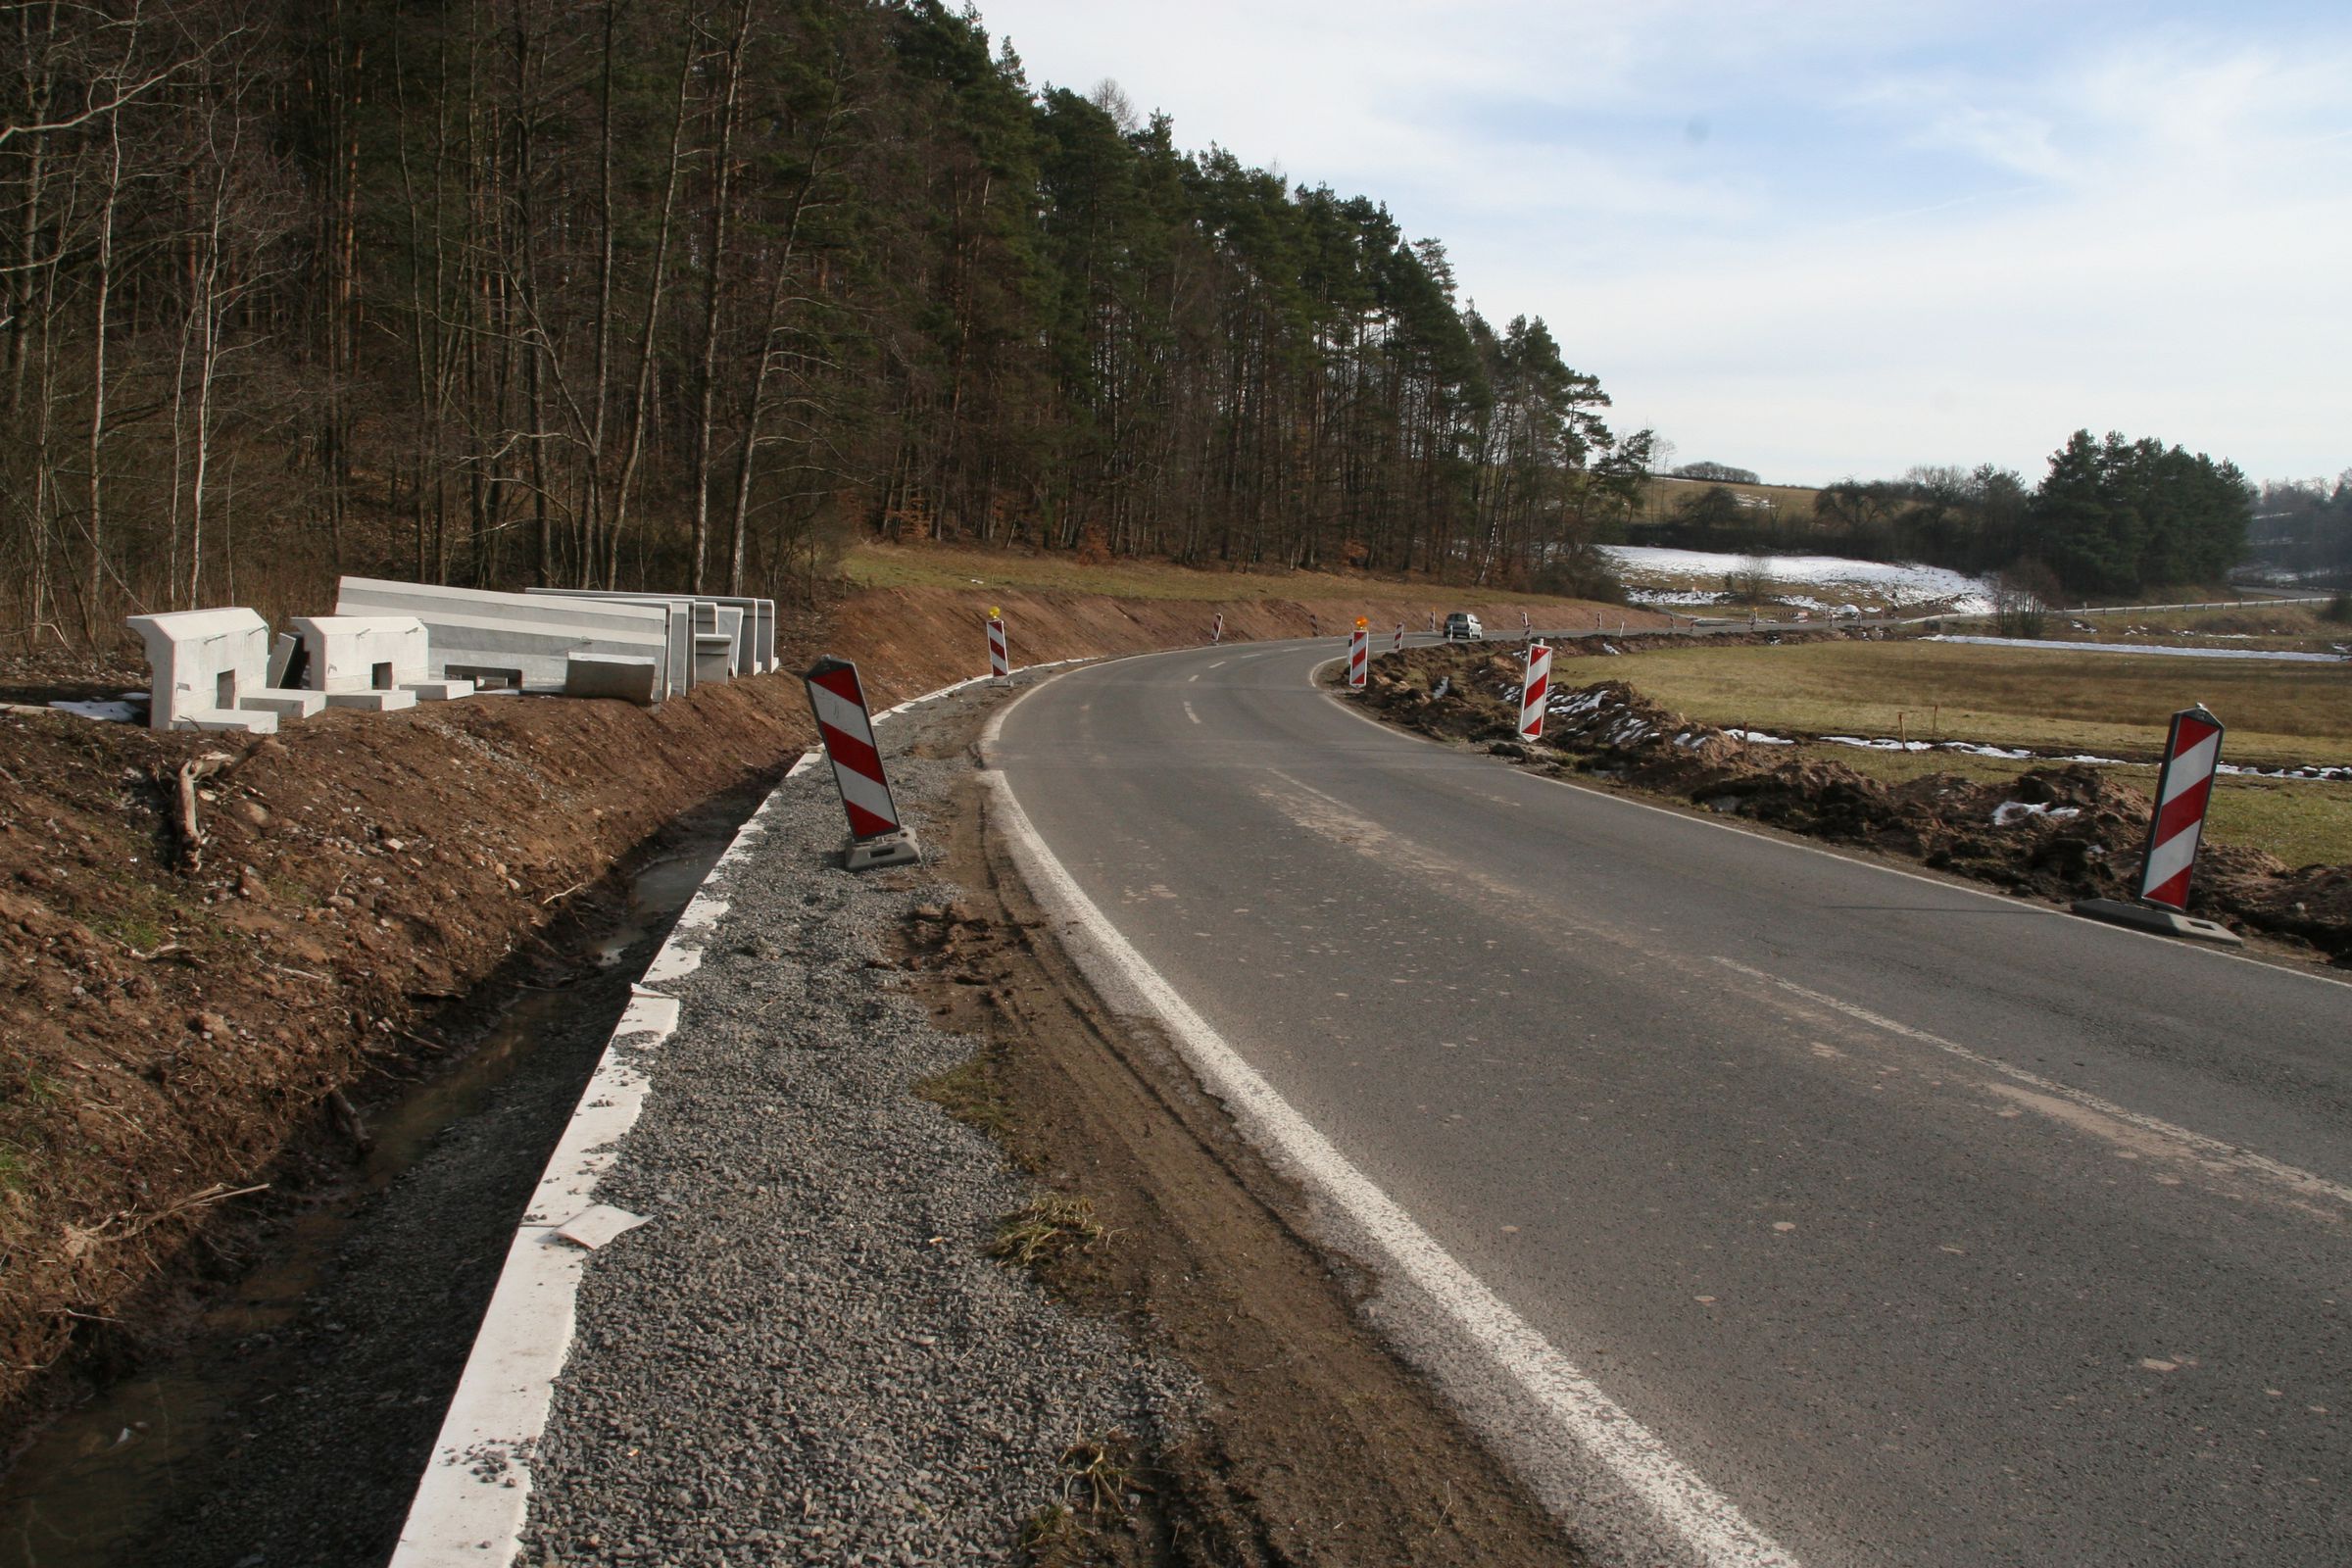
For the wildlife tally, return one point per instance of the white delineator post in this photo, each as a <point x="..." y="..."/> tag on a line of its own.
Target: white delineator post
<point x="1359" y="655"/>
<point x="2182" y="790"/>
<point x="1534" y="690"/>
<point x="1000" y="656"/>
<point x="1217" y="627"/>
<point x="1527" y="627"/>
<point x="876" y="835"/>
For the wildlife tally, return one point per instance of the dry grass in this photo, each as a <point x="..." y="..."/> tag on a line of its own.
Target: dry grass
<point x="1046" y="1229"/>
<point x="2257" y="624"/>
<point x="876" y="566"/>
<point x="1661" y="495"/>
<point x="2112" y="705"/>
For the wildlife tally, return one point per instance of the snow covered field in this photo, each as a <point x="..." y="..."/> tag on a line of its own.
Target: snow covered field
<point x="1888" y="582"/>
<point x="2160" y="649"/>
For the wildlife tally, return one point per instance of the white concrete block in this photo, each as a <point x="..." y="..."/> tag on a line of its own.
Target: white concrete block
<point x="362" y="653"/>
<point x="533" y="636"/>
<point x="205" y="663"/>
<point x="391" y="701"/>
<point x="680" y="671"/>
<point x="631" y="678"/>
<point x="286" y="702"/>
<point x="438" y="691"/>
<point x="281" y="657"/>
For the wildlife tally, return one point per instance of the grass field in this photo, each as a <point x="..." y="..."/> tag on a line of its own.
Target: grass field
<point x="876" y="566"/>
<point x="1660" y="495"/>
<point x="2110" y="704"/>
<point x="2106" y="704"/>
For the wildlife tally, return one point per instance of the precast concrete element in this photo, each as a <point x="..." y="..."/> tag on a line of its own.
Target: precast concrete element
<point x="755" y="648"/>
<point x="631" y="678"/>
<point x="685" y="618"/>
<point x="377" y="663"/>
<point x="530" y="639"/>
<point x="714" y="650"/>
<point x="211" y="671"/>
<point x="283" y="671"/>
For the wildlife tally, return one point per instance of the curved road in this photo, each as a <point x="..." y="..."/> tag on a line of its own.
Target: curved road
<point x="1921" y="1226"/>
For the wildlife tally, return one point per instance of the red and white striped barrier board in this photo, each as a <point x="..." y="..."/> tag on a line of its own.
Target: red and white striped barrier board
<point x="1217" y="627"/>
<point x="1398" y="648"/>
<point x="1360" y="654"/>
<point x="842" y="722"/>
<point x="1534" y="690"/>
<point x="2182" y="790"/>
<point x="999" y="658"/>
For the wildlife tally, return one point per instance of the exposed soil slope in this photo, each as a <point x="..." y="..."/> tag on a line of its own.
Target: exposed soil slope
<point x="2062" y="833"/>
<point x="166" y="1030"/>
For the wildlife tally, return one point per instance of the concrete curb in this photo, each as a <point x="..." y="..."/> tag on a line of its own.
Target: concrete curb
<point x="473" y="1499"/>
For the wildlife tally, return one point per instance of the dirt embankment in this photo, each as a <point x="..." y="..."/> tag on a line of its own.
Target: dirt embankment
<point x="2062" y="833"/>
<point x="168" y="1030"/>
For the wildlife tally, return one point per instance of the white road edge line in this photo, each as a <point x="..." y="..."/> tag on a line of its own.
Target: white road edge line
<point x="2211" y="1149"/>
<point x="1702" y="1520"/>
<point x="2126" y="933"/>
<point x="473" y="1498"/>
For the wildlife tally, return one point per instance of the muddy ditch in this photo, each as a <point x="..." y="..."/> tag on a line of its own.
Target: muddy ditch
<point x="2062" y="832"/>
<point x="314" y="1351"/>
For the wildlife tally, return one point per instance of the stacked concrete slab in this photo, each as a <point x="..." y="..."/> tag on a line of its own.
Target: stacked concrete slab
<point x="211" y="671"/>
<point x="531" y="641"/>
<point x="754" y="645"/>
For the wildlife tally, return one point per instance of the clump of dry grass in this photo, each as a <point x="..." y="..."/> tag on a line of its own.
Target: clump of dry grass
<point x="1046" y="1229"/>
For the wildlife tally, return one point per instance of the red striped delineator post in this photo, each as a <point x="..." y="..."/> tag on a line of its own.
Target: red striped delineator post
<point x="2191" y="753"/>
<point x="999" y="658"/>
<point x="2182" y="790"/>
<point x="1359" y="655"/>
<point x="1534" y="690"/>
<point x="1398" y="646"/>
<point x="838" y="700"/>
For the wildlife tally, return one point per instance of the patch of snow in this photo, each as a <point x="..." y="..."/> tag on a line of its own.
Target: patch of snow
<point x="1898" y="582"/>
<point x="1880" y="745"/>
<point x="2141" y="648"/>
<point x="2009" y="811"/>
<point x="112" y="712"/>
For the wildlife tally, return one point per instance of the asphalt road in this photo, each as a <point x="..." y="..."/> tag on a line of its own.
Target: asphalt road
<point x="1924" y="1226"/>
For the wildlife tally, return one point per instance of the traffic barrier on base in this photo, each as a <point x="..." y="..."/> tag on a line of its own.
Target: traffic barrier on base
<point x="1534" y="690"/>
<point x="999" y="658"/>
<point x="2182" y="790"/>
<point x="844" y="723"/>
<point x="1360" y="654"/>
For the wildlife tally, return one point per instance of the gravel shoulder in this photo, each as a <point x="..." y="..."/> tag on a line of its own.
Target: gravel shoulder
<point x="811" y="1353"/>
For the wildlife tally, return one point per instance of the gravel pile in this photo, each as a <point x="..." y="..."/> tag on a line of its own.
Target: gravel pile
<point x="807" y="1355"/>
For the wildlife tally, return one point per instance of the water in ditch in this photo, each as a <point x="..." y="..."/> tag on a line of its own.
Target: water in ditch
<point x="102" y="1483"/>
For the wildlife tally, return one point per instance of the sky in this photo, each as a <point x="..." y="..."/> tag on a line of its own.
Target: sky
<point x="1821" y="238"/>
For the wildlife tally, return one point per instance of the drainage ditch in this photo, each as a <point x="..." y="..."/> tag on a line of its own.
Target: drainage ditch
<point x="285" y="1414"/>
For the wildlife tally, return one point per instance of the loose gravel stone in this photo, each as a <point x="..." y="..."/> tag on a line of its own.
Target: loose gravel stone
<point x="807" y="1355"/>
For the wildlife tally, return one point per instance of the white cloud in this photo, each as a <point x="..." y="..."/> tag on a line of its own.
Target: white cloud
<point x="1910" y="234"/>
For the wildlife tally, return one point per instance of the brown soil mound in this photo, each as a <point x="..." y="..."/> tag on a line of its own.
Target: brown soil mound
<point x="2062" y="833"/>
